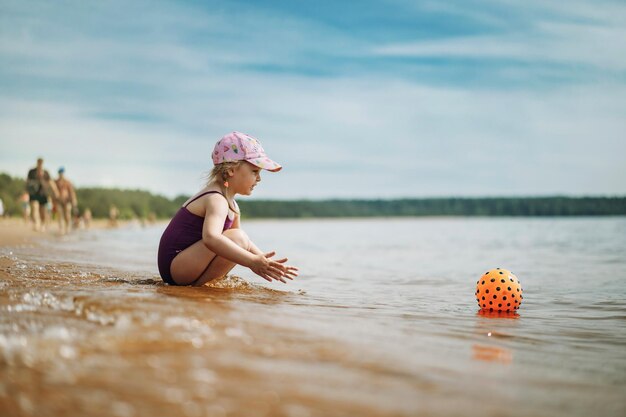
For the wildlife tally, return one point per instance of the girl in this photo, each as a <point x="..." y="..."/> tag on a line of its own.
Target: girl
<point x="203" y="241"/>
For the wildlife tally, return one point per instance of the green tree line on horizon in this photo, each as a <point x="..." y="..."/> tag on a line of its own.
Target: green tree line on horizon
<point x="143" y="204"/>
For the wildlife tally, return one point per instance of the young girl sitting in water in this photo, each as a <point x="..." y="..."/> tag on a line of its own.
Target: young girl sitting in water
<point x="204" y="241"/>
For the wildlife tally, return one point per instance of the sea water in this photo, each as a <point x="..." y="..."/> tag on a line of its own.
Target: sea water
<point x="381" y="321"/>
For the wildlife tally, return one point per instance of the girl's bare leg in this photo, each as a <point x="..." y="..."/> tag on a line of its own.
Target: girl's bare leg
<point x="197" y="265"/>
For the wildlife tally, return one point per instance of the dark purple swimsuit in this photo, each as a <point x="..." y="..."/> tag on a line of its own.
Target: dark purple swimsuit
<point x="184" y="230"/>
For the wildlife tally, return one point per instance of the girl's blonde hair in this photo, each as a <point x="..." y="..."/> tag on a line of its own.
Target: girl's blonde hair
<point x="219" y="174"/>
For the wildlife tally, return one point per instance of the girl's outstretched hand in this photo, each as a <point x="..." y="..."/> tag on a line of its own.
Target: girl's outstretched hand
<point x="290" y="272"/>
<point x="269" y="269"/>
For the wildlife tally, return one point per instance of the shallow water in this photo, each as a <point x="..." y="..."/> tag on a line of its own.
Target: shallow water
<point x="382" y="321"/>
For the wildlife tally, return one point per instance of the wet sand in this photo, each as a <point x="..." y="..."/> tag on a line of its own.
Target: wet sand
<point x="15" y="232"/>
<point x="109" y="344"/>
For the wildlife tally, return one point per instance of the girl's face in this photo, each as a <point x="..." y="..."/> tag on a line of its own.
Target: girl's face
<point x="245" y="177"/>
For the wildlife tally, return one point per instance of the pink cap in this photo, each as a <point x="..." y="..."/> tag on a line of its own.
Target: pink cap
<point x="237" y="146"/>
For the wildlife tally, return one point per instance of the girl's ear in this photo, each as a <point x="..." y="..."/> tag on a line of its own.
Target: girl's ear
<point x="230" y="172"/>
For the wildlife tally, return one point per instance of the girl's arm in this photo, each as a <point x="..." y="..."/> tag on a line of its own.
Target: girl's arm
<point x="216" y="211"/>
<point x="290" y="272"/>
<point x="237" y="225"/>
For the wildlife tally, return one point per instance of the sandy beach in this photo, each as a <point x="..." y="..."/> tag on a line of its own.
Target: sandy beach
<point x="16" y="232"/>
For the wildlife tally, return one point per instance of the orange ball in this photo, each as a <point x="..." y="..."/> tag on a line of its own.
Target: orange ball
<point x="499" y="290"/>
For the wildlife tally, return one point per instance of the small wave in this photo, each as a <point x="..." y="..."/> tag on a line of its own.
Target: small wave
<point x="237" y="284"/>
<point x="605" y="308"/>
<point x="233" y="282"/>
<point x="131" y="281"/>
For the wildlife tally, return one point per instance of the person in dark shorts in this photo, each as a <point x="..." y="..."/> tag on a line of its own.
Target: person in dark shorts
<point x="39" y="186"/>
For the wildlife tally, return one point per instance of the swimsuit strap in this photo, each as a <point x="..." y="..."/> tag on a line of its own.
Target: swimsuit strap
<point x="203" y="194"/>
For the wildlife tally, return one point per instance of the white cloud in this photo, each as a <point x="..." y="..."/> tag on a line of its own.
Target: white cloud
<point x="572" y="44"/>
<point x="394" y="140"/>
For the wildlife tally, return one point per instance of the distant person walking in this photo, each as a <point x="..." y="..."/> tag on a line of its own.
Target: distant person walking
<point x="66" y="200"/>
<point x="87" y="218"/>
<point x="39" y="186"/>
<point x="113" y="213"/>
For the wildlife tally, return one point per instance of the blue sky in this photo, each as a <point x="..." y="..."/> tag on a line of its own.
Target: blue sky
<point x="367" y="99"/>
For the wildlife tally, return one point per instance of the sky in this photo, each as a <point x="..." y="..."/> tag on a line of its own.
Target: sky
<point x="356" y="99"/>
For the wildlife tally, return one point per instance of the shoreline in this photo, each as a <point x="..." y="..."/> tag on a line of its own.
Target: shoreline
<point x="15" y="232"/>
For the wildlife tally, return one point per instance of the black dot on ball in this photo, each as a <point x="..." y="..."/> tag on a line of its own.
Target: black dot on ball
<point x="477" y="282"/>
<point x="508" y="304"/>
<point x="491" y="309"/>
<point x="497" y="288"/>
<point x="495" y="296"/>
<point x="493" y="280"/>
<point x="511" y="279"/>
<point x="483" y="282"/>
<point x="487" y="273"/>
<point x="497" y="268"/>
<point x="501" y="273"/>
<point x="502" y="281"/>
<point x="483" y="297"/>
<point x="504" y="298"/>
<point x="490" y="302"/>
<point x="487" y="291"/>
<point x="477" y="291"/>
<point x="509" y="288"/>
<point x="484" y="305"/>
<point x="499" y="305"/>
<point x="518" y="290"/>
<point x="515" y="301"/>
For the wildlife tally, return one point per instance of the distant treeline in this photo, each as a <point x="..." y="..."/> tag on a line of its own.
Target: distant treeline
<point x="130" y="203"/>
<point x="517" y="206"/>
<point x="142" y="204"/>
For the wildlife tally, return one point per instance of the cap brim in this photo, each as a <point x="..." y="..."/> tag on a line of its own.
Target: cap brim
<point x="266" y="163"/>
